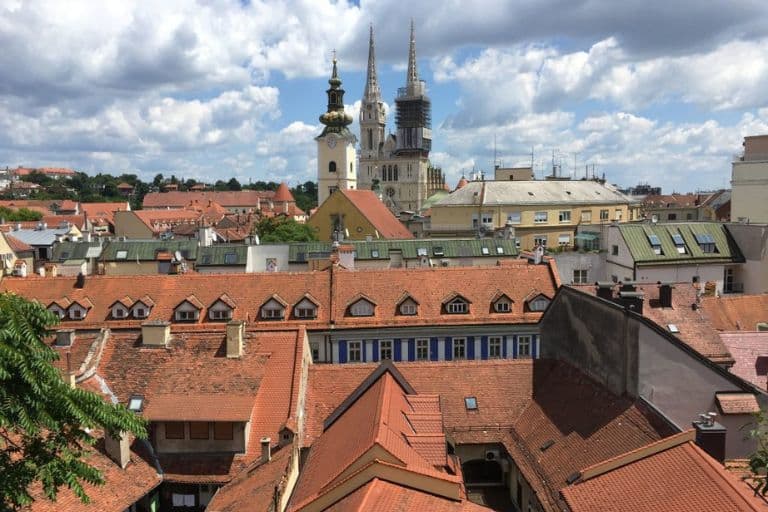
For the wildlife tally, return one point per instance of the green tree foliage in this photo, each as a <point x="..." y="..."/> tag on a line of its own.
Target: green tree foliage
<point x="283" y="229"/>
<point x="305" y="195"/>
<point x="43" y="420"/>
<point x="234" y="185"/>
<point x="19" y="215"/>
<point x="758" y="461"/>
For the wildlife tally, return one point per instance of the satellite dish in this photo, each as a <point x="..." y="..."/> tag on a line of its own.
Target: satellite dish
<point x="178" y="256"/>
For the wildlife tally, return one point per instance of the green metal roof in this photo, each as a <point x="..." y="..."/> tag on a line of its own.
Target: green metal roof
<point x="218" y="255"/>
<point x="638" y="241"/>
<point x="146" y="250"/>
<point x="72" y="250"/>
<point x="410" y="249"/>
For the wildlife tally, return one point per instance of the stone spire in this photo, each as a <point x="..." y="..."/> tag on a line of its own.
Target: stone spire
<point x="413" y="73"/>
<point x="372" y="90"/>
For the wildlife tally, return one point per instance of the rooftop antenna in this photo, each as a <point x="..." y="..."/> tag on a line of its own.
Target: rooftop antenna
<point x="495" y="162"/>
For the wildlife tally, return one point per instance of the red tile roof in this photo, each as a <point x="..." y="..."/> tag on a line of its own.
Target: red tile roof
<point x="371" y="207"/>
<point x="242" y="199"/>
<point x="679" y="479"/>
<point x="283" y="194"/>
<point x="103" y="211"/>
<point x="199" y="407"/>
<point x="737" y="403"/>
<point x="750" y="351"/>
<point x="736" y="312"/>
<point x="17" y="245"/>
<point x="695" y="328"/>
<point x="123" y="487"/>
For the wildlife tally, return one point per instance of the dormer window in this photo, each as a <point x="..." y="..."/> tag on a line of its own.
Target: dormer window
<point x="141" y="307"/>
<point x="221" y="309"/>
<point x="677" y="238"/>
<point x="273" y="310"/>
<point x="540" y="303"/>
<point x="457" y="306"/>
<point x="362" y="307"/>
<point x="189" y="310"/>
<point x="305" y="309"/>
<point x="655" y="244"/>
<point x="140" y="311"/>
<point x="119" y="311"/>
<point x="502" y="305"/>
<point x="79" y="310"/>
<point x="408" y="307"/>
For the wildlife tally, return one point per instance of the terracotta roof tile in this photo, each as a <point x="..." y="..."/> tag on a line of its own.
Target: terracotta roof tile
<point x="737" y="403"/>
<point x="369" y="204"/>
<point x="17" y="245"/>
<point x="199" y="407"/>
<point x="737" y="312"/>
<point x="750" y="351"/>
<point x="228" y="199"/>
<point x="679" y="479"/>
<point x="283" y="193"/>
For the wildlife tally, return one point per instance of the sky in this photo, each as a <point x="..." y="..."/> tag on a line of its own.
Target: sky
<point x="645" y="91"/>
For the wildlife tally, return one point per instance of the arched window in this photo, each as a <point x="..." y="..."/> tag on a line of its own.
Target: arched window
<point x="395" y="175"/>
<point x="332" y="97"/>
<point x="331" y="166"/>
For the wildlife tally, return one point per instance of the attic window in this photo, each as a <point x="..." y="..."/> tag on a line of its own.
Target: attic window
<point x="457" y="306"/>
<point x="679" y="242"/>
<point x="438" y="251"/>
<point x="547" y="445"/>
<point x="530" y="193"/>
<point x="502" y="306"/>
<point x="361" y="308"/>
<point x="305" y="309"/>
<point x="272" y="310"/>
<point x="375" y="253"/>
<point x="499" y="250"/>
<point x="230" y="258"/>
<point x="485" y="251"/>
<point x="538" y="304"/>
<point x="655" y="243"/>
<point x="673" y="328"/>
<point x="136" y="403"/>
<point x="206" y="259"/>
<point x="421" y="251"/>
<point x="470" y="402"/>
<point x="64" y="255"/>
<point x="706" y="242"/>
<point x="121" y="255"/>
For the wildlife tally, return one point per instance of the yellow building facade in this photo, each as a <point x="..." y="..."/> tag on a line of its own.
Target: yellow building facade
<point x="540" y="212"/>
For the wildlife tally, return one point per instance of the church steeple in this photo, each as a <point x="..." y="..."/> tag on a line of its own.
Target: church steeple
<point x="413" y="72"/>
<point x="372" y="91"/>
<point x="335" y="119"/>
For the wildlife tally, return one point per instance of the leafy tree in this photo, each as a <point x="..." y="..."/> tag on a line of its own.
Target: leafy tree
<point x="233" y="184"/>
<point x="158" y="180"/>
<point x="284" y="229"/>
<point x="43" y="420"/>
<point x="19" y="215"/>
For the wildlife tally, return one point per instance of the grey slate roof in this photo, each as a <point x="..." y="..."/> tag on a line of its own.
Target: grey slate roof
<point x="39" y="237"/>
<point x="494" y="193"/>
<point x="76" y="251"/>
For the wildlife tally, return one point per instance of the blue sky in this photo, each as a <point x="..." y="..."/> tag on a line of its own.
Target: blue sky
<point x="651" y="91"/>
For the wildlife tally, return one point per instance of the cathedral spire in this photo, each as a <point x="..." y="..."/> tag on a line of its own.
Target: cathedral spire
<point x="372" y="91"/>
<point x="413" y="73"/>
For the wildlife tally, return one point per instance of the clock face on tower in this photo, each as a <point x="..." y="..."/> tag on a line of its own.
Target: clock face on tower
<point x="331" y="141"/>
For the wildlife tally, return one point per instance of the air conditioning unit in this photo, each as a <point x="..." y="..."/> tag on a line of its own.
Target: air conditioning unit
<point x="492" y="455"/>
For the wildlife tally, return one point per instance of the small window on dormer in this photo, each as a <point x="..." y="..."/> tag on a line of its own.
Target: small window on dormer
<point x="457" y="306"/>
<point x="140" y="311"/>
<point x="362" y="308"/>
<point x="56" y="310"/>
<point x="408" y="307"/>
<point x="540" y="303"/>
<point x="119" y="311"/>
<point x="305" y="309"/>
<point x="76" y="313"/>
<point x="502" y="305"/>
<point x="272" y="310"/>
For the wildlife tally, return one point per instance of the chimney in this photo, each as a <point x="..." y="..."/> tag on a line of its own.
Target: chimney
<point x="65" y="337"/>
<point x="632" y="301"/>
<point x="117" y="448"/>
<point x="710" y="436"/>
<point x="266" y="450"/>
<point x="156" y="334"/>
<point x="665" y="295"/>
<point x="80" y="283"/>
<point x="235" y="330"/>
<point x="605" y="290"/>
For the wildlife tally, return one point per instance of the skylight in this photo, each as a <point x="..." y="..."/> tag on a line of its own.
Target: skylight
<point x="705" y="238"/>
<point x="673" y="328"/>
<point x="470" y="402"/>
<point x="438" y="251"/>
<point x="655" y="243"/>
<point x="485" y="251"/>
<point x="679" y="242"/>
<point x="421" y="251"/>
<point x="136" y="403"/>
<point x="499" y="250"/>
<point x="121" y="255"/>
<point x="230" y="258"/>
<point x="374" y="253"/>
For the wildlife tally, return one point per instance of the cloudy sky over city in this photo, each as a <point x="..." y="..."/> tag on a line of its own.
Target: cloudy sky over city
<point x="646" y="91"/>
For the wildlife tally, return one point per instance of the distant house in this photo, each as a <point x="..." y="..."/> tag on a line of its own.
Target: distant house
<point x="236" y="202"/>
<point x="42" y="238"/>
<point x="712" y="206"/>
<point x="224" y="258"/>
<point x="73" y="258"/>
<point x="139" y="257"/>
<point x="356" y="215"/>
<point x="125" y="189"/>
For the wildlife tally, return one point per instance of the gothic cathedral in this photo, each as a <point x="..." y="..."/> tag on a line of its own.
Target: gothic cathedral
<point x="397" y="166"/>
<point x="336" y="153"/>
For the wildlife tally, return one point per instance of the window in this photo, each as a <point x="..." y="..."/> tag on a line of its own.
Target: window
<point x="355" y="351"/>
<point x="184" y="315"/>
<point x="502" y="306"/>
<point x="499" y="250"/>
<point x="385" y="350"/>
<point x="671" y="216"/>
<point x="220" y="314"/>
<point x="603" y="215"/>
<point x="136" y="403"/>
<point x="374" y="253"/>
<point x="586" y="216"/>
<point x="470" y="402"/>
<point x="615" y="250"/>
<point x="513" y="217"/>
<point x="139" y="312"/>
<point x="494" y="347"/>
<point x="408" y="307"/>
<point x="706" y="242"/>
<point x="121" y="255"/>
<point x="523" y="346"/>
<point x="174" y="430"/>
<point x="579" y="276"/>
<point x="688" y="216"/>
<point x="272" y="310"/>
<point x="230" y="258"/>
<point x="540" y="217"/>
<point x="457" y="307"/>
<point x="540" y="240"/>
<point x="564" y="240"/>
<point x="538" y="304"/>
<point x="76" y="313"/>
<point x="459" y="348"/>
<point x="422" y="349"/>
<point x="677" y="238"/>
<point x="655" y="243"/>
<point x="183" y="500"/>
<point x="223" y="431"/>
<point x="438" y="251"/>
<point x="305" y="309"/>
<point x="487" y="218"/>
<point x="564" y="216"/>
<point x="361" y="308"/>
<point x="119" y="312"/>
<point x="198" y="430"/>
<point x="486" y="251"/>
<point x="331" y="166"/>
<point x="618" y="214"/>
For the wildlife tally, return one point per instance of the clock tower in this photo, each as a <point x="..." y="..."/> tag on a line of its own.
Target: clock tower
<point x="336" y="153"/>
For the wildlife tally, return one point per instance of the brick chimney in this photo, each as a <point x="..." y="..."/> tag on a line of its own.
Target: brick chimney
<point x="235" y="329"/>
<point x="156" y="334"/>
<point x="605" y="290"/>
<point x="266" y="449"/>
<point x="710" y="436"/>
<point x="117" y="448"/>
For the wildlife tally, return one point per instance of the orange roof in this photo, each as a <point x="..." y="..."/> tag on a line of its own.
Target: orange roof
<point x="67" y="204"/>
<point x="736" y="312"/>
<point x="682" y="478"/>
<point x="462" y="183"/>
<point x="199" y="407"/>
<point x="283" y="194"/>
<point x="17" y="245"/>
<point x="371" y="207"/>
<point x="51" y="171"/>
<point x="230" y="199"/>
<point x="674" y="200"/>
<point x="123" y="487"/>
<point x="750" y="351"/>
<point x="125" y="186"/>
<point x="737" y="403"/>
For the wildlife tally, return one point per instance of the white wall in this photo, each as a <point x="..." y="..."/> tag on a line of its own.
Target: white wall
<point x="682" y="274"/>
<point x="258" y="254"/>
